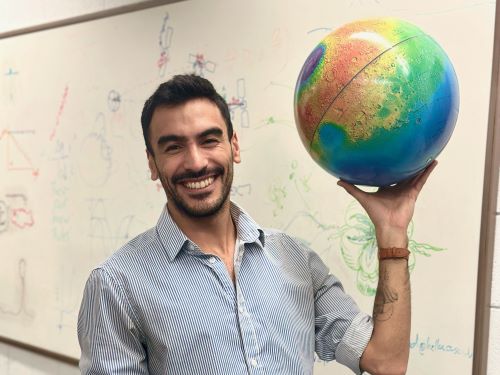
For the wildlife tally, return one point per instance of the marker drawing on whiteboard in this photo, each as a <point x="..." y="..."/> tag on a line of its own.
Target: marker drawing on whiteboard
<point x="4" y="216"/>
<point x="355" y="238"/>
<point x="101" y="228"/>
<point x="60" y="190"/>
<point x="59" y="113"/>
<point x="241" y="190"/>
<point x="20" y="309"/>
<point x="96" y="170"/>
<point x="67" y="304"/>
<point x="323" y="29"/>
<point x="22" y="218"/>
<point x="425" y="344"/>
<point x="11" y="72"/>
<point x="201" y="65"/>
<point x="17" y="158"/>
<point x="15" y="212"/>
<point x="279" y="84"/>
<point x="238" y="103"/>
<point x="358" y="247"/>
<point x="114" y="101"/>
<point x="164" y="41"/>
<point x="10" y="75"/>
<point x="298" y="183"/>
<point x="272" y="121"/>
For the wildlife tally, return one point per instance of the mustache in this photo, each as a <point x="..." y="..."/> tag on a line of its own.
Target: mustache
<point x="194" y="175"/>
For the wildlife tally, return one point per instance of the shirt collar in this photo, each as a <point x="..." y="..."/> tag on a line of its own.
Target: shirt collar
<point x="173" y="239"/>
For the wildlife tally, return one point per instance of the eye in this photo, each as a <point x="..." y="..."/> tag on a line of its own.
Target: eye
<point x="210" y="142"/>
<point x="172" y="148"/>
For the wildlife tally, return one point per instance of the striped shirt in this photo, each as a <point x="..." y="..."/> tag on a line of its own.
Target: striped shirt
<point x="160" y="305"/>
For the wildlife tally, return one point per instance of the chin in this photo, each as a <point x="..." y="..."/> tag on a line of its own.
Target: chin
<point x="204" y="209"/>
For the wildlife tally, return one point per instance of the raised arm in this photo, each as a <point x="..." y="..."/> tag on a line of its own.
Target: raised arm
<point x="390" y="209"/>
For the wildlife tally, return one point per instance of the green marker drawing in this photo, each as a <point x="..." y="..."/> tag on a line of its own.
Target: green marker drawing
<point x="279" y="192"/>
<point x="358" y="246"/>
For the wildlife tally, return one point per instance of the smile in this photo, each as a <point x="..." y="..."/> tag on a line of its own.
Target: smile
<point x="199" y="184"/>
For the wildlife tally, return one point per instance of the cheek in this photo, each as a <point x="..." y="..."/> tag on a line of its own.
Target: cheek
<point x="166" y="170"/>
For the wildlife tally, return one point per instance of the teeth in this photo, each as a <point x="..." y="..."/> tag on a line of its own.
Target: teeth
<point x="199" y="184"/>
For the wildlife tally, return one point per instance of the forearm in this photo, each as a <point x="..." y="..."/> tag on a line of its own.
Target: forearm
<point x="391" y="310"/>
<point x="388" y="349"/>
<point x="390" y="209"/>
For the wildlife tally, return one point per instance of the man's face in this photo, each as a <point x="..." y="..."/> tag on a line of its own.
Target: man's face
<point x="193" y="157"/>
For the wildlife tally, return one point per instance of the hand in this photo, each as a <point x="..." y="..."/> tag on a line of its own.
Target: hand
<point x="391" y="208"/>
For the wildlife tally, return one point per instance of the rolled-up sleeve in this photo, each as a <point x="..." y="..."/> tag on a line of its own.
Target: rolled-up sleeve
<point x="354" y="342"/>
<point x="342" y="332"/>
<point x="109" y="339"/>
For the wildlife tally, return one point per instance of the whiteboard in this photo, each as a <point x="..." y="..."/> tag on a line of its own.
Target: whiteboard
<point x="74" y="183"/>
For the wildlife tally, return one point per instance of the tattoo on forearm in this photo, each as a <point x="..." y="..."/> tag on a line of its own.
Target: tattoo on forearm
<point x="386" y="296"/>
<point x="383" y="308"/>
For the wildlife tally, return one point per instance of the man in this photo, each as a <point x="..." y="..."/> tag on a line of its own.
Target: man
<point x="208" y="291"/>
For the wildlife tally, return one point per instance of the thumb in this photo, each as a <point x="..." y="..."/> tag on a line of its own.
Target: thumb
<point x="356" y="192"/>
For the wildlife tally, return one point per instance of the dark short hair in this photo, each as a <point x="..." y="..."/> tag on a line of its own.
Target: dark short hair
<point x="179" y="90"/>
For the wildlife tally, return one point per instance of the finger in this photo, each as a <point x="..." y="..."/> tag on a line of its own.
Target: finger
<point x="422" y="178"/>
<point x="356" y="192"/>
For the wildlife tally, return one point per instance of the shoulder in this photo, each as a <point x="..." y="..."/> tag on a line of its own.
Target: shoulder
<point x="273" y="235"/>
<point x="277" y="240"/>
<point x="136" y="255"/>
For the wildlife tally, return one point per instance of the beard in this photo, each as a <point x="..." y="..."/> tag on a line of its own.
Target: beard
<point x="201" y="208"/>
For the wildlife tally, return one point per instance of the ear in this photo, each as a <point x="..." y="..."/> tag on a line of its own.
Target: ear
<point x="152" y="166"/>
<point x="235" y="147"/>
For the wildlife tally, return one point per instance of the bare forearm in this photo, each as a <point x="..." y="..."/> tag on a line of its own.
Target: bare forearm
<point x="388" y="349"/>
<point x="392" y="307"/>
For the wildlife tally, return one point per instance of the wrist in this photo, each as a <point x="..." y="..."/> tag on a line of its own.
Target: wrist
<point x="393" y="253"/>
<point x="392" y="237"/>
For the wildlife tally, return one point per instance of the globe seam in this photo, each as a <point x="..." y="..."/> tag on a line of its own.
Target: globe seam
<point x="353" y="77"/>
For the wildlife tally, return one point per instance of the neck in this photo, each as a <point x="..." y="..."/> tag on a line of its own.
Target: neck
<point x="215" y="234"/>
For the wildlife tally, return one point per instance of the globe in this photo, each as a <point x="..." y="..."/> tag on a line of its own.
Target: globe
<point x="376" y="101"/>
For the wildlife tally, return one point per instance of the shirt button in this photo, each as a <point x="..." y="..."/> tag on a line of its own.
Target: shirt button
<point x="211" y="260"/>
<point x="253" y="362"/>
<point x="242" y="310"/>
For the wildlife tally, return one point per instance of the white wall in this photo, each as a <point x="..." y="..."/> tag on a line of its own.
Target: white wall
<point x="18" y="361"/>
<point x="494" y="341"/>
<point x="24" y="13"/>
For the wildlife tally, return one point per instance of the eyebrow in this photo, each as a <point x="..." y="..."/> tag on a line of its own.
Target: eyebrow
<point x="211" y="131"/>
<point x="179" y="138"/>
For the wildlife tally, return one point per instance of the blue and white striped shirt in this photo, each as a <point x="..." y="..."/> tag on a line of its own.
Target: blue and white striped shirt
<point x="160" y="305"/>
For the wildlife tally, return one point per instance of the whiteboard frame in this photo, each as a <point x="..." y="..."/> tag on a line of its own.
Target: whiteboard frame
<point x="488" y="214"/>
<point x="490" y="187"/>
<point x="144" y="4"/>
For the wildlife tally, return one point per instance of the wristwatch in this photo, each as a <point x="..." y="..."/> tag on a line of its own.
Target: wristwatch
<point x="393" y="253"/>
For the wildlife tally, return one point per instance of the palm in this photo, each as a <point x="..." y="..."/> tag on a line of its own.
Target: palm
<point x="391" y="206"/>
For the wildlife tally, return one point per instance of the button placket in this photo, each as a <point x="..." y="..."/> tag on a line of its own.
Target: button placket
<point x="219" y="268"/>
<point x="247" y="331"/>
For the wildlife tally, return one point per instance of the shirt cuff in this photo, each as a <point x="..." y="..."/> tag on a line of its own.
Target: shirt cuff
<point x="354" y="342"/>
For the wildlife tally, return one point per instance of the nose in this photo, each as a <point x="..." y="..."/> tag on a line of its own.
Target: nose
<point x="195" y="159"/>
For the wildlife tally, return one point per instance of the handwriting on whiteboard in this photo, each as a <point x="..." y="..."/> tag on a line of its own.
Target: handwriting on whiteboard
<point x="424" y="344"/>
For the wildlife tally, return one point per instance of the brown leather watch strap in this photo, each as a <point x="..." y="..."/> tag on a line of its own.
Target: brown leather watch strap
<point x="392" y="253"/>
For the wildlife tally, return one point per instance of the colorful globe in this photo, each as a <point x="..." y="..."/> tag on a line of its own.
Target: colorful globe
<point x="376" y="101"/>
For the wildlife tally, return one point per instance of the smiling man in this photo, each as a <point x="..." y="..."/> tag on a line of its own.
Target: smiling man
<point x="208" y="291"/>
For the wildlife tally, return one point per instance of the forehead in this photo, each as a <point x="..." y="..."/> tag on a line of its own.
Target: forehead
<point x="187" y="119"/>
